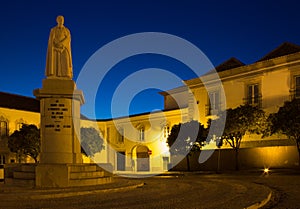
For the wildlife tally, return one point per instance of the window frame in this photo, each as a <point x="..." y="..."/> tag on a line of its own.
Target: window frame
<point x="213" y="107"/>
<point x="253" y="98"/>
<point x="297" y="86"/>
<point x="120" y="135"/>
<point x="142" y="134"/>
<point x="3" y="128"/>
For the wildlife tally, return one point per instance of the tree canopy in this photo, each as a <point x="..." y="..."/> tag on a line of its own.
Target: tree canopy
<point x="186" y="138"/>
<point x="91" y="142"/>
<point x="25" y="141"/>
<point x="239" y="121"/>
<point x="287" y="121"/>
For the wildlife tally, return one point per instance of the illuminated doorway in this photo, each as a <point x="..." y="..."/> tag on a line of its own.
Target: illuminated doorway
<point x="142" y="158"/>
<point x="121" y="161"/>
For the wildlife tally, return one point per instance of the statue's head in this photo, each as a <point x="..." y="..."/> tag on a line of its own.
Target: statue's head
<point x="60" y="20"/>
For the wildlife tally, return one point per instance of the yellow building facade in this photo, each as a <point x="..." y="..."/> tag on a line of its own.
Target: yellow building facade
<point x="137" y="143"/>
<point x="15" y="110"/>
<point x="267" y="83"/>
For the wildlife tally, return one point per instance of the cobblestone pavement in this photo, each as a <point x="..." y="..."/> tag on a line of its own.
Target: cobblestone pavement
<point x="196" y="190"/>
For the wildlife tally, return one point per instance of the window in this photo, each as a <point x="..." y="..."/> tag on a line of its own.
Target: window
<point x="121" y="135"/>
<point x="107" y="134"/>
<point x="166" y="131"/>
<point x="253" y="96"/>
<point x="2" y="159"/>
<point x="142" y="134"/>
<point x="297" y="87"/>
<point x="19" y="126"/>
<point x="3" y="128"/>
<point x="19" y="123"/>
<point x="213" y="106"/>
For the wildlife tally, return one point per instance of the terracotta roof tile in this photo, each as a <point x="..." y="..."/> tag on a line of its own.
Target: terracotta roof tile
<point x="229" y="64"/>
<point x="18" y="102"/>
<point x="282" y="50"/>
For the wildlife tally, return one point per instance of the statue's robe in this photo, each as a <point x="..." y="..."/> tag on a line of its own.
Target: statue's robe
<point x="59" y="59"/>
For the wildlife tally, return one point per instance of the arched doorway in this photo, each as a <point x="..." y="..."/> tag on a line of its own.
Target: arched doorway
<point x="142" y="158"/>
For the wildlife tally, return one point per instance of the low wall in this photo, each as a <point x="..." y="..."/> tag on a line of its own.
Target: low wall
<point x="249" y="158"/>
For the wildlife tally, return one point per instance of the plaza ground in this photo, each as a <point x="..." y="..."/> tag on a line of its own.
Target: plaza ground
<point x="178" y="190"/>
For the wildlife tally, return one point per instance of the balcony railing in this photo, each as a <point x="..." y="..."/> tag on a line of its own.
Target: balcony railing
<point x="295" y="94"/>
<point x="253" y="101"/>
<point x="209" y="111"/>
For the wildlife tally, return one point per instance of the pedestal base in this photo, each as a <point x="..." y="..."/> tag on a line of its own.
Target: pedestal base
<point x="70" y="175"/>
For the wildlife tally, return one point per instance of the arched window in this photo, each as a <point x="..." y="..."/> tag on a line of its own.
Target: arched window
<point x="2" y="159"/>
<point x="19" y="123"/>
<point x="166" y="131"/>
<point x="297" y="87"/>
<point x="142" y="134"/>
<point x="3" y="128"/>
<point x="121" y="135"/>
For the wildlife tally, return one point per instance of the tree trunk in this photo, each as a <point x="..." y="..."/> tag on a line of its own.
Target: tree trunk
<point x="19" y="156"/>
<point x="298" y="148"/>
<point x="299" y="158"/>
<point x="237" y="167"/>
<point x="219" y="159"/>
<point x="188" y="162"/>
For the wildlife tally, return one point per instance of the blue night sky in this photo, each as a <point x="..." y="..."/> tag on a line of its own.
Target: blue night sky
<point x="246" y="30"/>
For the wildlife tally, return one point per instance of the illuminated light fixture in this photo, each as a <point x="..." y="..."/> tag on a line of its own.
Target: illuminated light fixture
<point x="266" y="171"/>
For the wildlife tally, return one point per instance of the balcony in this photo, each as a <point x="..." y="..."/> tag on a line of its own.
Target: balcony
<point x="255" y="101"/>
<point x="295" y="94"/>
<point x="211" y="111"/>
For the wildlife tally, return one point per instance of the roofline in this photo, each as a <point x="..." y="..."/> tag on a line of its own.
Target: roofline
<point x="136" y="115"/>
<point x="18" y="95"/>
<point x="251" y="68"/>
<point x="175" y="90"/>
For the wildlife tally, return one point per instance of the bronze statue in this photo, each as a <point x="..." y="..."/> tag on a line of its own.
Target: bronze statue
<point x="59" y="58"/>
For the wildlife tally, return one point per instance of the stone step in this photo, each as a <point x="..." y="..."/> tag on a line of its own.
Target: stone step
<point x="90" y="182"/>
<point x="28" y="168"/>
<point x="24" y="175"/>
<point x="86" y="174"/>
<point x="82" y="168"/>
<point x="106" y="167"/>
<point x="20" y="182"/>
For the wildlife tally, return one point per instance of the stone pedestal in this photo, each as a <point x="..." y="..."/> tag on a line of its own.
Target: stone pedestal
<point x="60" y="121"/>
<point x="60" y="131"/>
<point x="60" y="158"/>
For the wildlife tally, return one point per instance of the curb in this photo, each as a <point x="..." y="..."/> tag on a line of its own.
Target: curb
<point x="261" y="203"/>
<point x="60" y="193"/>
<point x="79" y="193"/>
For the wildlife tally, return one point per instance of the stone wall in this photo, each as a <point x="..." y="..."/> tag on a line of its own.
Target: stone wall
<point x="249" y="158"/>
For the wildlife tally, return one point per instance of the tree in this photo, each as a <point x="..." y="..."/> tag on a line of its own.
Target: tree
<point x="91" y="142"/>
<point x="186" y="138"/>
<point x="25" y="141"/>
<point x="287" y="121"/>
<point x="239" y="121"/>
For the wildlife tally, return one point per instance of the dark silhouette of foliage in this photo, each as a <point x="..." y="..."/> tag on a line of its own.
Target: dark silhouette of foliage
<point x="25" y="141"/>
<point x="239" y="121"/>
<point x="186" y="138"/>
<point x="286" y="121"/>
<point x="91" y="142"/>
